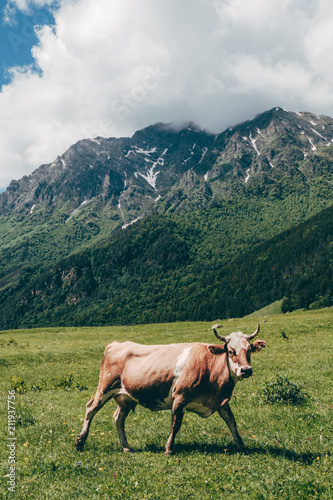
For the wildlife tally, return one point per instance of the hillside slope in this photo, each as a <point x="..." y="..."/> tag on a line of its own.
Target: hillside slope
<point x="154" y="273"/>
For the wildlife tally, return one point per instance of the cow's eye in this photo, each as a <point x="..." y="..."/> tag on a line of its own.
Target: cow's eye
<point x="231" y="353"/>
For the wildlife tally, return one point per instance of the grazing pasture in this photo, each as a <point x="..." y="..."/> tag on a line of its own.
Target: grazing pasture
<point x="54" y="372"/>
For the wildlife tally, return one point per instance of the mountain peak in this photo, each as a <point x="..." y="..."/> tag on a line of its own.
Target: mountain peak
<point x="125" y="176"/>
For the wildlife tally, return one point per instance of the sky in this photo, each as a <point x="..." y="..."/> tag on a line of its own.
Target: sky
<point x="74" y="69"/>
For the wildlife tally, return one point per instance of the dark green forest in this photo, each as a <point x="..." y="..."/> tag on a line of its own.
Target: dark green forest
<point x="176" y="268"/>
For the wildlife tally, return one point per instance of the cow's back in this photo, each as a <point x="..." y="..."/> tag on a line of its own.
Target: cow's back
<point x="135" y="359"/>
<point x="145" y="372"/>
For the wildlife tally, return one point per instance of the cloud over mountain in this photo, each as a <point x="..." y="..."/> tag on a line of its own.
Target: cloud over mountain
<point x="108" y="68"/>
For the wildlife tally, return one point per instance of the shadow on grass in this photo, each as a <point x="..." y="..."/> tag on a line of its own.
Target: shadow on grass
<point x="306" y="458"/>
<point x="289" y="454"/>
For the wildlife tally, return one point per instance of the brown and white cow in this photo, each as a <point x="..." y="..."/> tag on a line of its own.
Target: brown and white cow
<point x="196" y="377"/>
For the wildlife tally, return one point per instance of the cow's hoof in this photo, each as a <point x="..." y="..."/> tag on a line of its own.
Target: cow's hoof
<point x="79" y="443"/>
<point x="167" y="453"/>
<point x="128" y="450"/>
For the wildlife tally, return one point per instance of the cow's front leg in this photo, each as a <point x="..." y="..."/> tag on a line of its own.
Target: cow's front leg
<point x="92" y="407"/>
<point x="119" y="417"/>
<point x="177" y="418"/>
<point x="227" y="415"/>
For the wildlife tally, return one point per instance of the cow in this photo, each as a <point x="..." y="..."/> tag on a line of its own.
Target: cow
<point x="197" y="377"/>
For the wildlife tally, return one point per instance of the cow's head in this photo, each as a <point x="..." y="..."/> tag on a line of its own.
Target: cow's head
<point x="239" y="349"/>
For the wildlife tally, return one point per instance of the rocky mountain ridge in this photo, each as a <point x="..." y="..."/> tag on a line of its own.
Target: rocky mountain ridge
<point x="180" y="169"/>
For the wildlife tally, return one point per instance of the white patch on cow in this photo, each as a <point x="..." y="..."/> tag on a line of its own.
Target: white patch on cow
<point x="236" y="341"/>
<point x="166" y="404"/>
<point x="123" y="391"/>
<point x="181" y="360"/>
<point x="235" y="370"/>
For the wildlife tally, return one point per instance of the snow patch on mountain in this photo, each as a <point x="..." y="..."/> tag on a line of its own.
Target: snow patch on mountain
<point x="124" y="226"/>
<point x="248" y="175"/>
<point x="253" y="142"/>
<point x="315" y="131"/>
<point x="313" y="147"/>
<point x="204" y="151"/>
<point x="79" y="208"/>
<point x="151" y="174"/>
<point x="145" y="151"/>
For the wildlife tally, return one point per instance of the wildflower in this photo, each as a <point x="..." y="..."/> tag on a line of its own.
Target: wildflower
<point x="26" y="444"/>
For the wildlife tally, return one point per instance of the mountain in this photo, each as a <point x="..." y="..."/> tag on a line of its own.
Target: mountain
<point x="204" y="201"/>
<point x="125" y="176"/>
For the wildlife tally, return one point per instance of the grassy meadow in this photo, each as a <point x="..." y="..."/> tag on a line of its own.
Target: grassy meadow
<point x="55" y="372"/>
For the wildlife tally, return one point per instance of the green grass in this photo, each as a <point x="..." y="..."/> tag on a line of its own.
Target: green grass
<point x="274" y="308"/>
<point x="289" y="450"/>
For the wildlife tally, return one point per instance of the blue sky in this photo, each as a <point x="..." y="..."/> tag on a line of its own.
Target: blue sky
<point x="74" y="69"/>
<point x="18" y="36"/>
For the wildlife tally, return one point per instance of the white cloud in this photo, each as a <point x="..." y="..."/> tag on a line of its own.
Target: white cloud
<point x="110" y="67"/>
<point x="25" y="6"/>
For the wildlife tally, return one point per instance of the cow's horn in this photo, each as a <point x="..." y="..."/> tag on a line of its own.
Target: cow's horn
<point x="216" y="334"/>
<point x="250" y="337"/>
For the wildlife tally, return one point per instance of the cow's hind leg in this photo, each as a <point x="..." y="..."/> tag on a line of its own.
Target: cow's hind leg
<point x="122" y="411"/>
<point x="92" y="407"/>
<point x="177" y="418"/>
<point x="227" y="415"/>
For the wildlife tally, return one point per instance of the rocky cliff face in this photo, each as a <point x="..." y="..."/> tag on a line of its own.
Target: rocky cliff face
<point x="179" y="169"/>
<point x="274" y="143"/>
<point x="127" y="174"/>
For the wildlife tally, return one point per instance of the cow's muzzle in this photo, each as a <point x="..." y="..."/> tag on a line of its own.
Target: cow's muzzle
<point x="246" y="372"/>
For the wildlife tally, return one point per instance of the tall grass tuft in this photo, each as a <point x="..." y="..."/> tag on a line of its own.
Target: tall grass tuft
<point x="281" y="390"/>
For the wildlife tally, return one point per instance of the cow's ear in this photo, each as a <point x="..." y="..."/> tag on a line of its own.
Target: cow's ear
<point x="216" y="349"/>
<point x="258" y="345"/>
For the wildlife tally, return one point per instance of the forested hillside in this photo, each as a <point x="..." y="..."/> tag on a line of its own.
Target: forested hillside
<point x="162" y="270"/>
